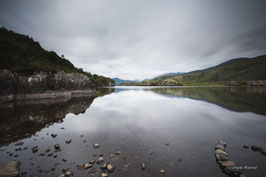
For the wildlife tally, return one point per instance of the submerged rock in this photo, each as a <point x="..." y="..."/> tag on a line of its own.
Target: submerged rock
<point x="92" y="170"/>
<point x="143" y="166"/>
<point x="84" y="166"/>
<point x="35" y="149"/>
<point x="256" y="148"/>
<point x="10" y="169"/>
<point x="221" y="157"/>
<point x="103" y="166"/>
<point x="19" y="144"/>
<point x="228" y="163"/>
<point x="92" y="162"/>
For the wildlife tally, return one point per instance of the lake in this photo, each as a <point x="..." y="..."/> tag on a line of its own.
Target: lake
<point x="167" y="128"/>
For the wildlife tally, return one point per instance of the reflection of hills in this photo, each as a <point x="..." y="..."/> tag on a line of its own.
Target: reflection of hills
<point x="26" y="118"/>
<point x="240" y="99"/>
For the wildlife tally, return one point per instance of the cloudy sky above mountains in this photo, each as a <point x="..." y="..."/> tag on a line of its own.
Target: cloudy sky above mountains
<point x="137" y="39"/>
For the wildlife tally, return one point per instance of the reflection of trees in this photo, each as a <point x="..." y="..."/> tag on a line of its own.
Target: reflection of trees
<point x="241" y="99"/>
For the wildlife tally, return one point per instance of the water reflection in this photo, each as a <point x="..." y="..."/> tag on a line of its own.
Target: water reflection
<point x="240" y="99"/>
<point x="146" y="124"/>
<point x="23" y="119"/>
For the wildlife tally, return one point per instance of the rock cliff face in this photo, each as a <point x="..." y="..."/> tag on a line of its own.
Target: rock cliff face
<point x="41" y="85"/>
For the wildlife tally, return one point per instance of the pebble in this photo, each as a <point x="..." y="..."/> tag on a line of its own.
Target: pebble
<point x="53" y="135"/>
<point x="35" y="149"/>
<point x="143" y="166"/>
<point x="110" y="168"/>
<point x="96" y="145"/>
<point x="57" y="146"/>
<point x="104" y="175"/>
<point x="162" y="172"/>
<point x="246" y="146"/>
<point x="68" y="141"/>
<point x="118" y="152"/>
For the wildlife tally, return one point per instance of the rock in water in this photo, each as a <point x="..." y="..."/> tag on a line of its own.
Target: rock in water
<point x="100" y="160"/>
<point x="246" y="146"/>
<point x="118" y="152"/>
<point x="104" y="175"/>
<point x="228" y="163"/>
<point x="96" y="145"/>
<point x="110" y="168"/>
<point x="10" y="169"/>
<point x="68" y="141"/>
<point x="143" y="166"/>
<point x="219" y="151"/>
<point x="256" y="148"/>
<point x="19" y="144"/>
<point x="219" y="147"/>
<point x="69" y="174"/>
<point x="35" y="149"/>
<point x="162" y="172"/>
<point x="53" y="135"/>
<point x="57" y="146"/>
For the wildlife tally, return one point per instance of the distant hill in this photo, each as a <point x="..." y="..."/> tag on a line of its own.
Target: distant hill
<point x="119" y="81"/>
<point x="239" y="69"/>
<point x="21" y="54"/>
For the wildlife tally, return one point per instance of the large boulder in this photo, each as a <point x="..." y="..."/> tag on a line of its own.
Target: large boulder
<point x="10" y="169"/>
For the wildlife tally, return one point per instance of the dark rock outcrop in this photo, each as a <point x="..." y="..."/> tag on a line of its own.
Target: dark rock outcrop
<point x="41" y="85"/>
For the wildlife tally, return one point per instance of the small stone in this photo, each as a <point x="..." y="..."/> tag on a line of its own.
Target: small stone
<point x="221" y="143"/>
<point x="246" y="146"/>
<point x="219" y="151"/>
<point x="127" y="166"/>
<point x="50" y="154"/>
<point x="143" y="166"/>
<point x="62" y="128"/>
<point x="68" y="141"/>
<point x="118" y="152"/>
<point x="84" y="166"/>
<point x="167" y="144"/>
<point x="221" y="157"/>
<point x="53" y="135"/>
<point x="35" y="149"/>
<point x="263" y="152"/>
<point x="103" y="166"/>
<point x="104" y="175"/>
<point x="47" y="150"/>
<point x="54" y="155"/>
<point x="19" y="144"/>
<point x="92" y="162"/>
<point x="64" y="160"/>
<point x="110" y="168"/>
<point x="92" y="170"/>
<point x="162" y="172"/>
<point x="100" y="160"/>
<point x="219" y="147"/>
<point x="256" y="148"/>
<point x="228" y="163"/>
<point x="112" y="155"/>
<point x="69" y="174"/>
<point x="96" y="145"/>
<point x="57" y="146"/>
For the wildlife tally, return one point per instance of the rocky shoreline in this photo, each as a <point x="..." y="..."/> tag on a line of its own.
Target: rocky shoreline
<point x="44" y="85"/>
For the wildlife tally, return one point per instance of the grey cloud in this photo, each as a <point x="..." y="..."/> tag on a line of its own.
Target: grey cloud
<point x="142" y="38"/>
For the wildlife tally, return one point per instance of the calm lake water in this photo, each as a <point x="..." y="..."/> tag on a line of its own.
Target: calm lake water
<point x="171" y="129"/>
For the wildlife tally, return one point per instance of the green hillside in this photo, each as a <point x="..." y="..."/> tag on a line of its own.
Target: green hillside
<point x="20" y="53"/>
<point x="240" y="70"/>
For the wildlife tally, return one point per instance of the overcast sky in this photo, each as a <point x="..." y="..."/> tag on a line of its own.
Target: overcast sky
<point x="137" y="39"/>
